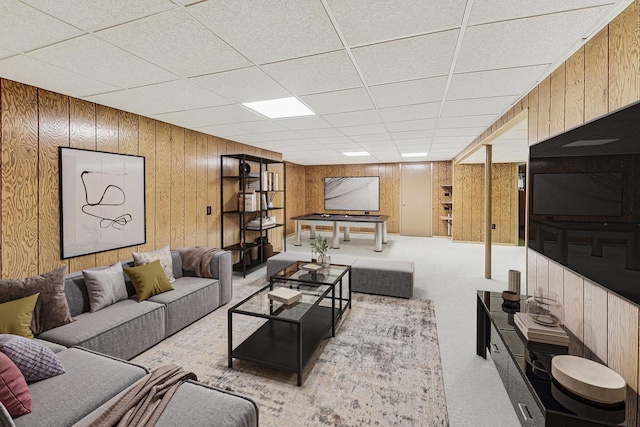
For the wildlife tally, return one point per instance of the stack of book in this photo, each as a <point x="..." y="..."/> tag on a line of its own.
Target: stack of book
<point x="536" y="332"/>
<point x="285" y="295"/>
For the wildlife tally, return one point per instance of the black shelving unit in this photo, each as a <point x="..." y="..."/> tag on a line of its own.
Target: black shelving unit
<point x="236" y="179"/>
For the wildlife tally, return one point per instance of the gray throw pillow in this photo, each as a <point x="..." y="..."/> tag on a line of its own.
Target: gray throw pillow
<point x="35" y="361"/>
<point x="52" y="309"/>
<point x="162" y="254"/>
<point x="105" y="286"/>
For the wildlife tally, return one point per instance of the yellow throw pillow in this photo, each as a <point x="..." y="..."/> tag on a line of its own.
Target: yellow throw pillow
<point x="149" y="280"/>
<point x="15" y="316"/>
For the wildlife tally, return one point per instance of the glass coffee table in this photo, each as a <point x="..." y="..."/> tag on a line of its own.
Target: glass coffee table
<point x="288" y="335"/>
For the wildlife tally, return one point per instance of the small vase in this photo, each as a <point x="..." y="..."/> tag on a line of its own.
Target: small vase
<point x="314" y="255"/>
<point x="543" y="307"/>
<point x="324" y="260"/>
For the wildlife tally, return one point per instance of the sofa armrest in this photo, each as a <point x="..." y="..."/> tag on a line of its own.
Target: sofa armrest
<point x="222" y="269"/>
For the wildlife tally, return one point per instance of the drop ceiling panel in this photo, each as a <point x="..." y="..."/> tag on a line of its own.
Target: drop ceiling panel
<point x="364" y="22"/>
<point x="460" y="131"/>
<point x="412" y="134"/>
<point x="227" y="131"/>
<point x="483" y="120"/>
<point x="320" y="133"/>
<point x="250" y="139"/>
<point x="304" y="123"/>
<point x="410" y="125"/>
<point x="355" y="118"/>
<point x="363" y="129"/>
<point x="24" y="28"/>
<point x="338" y="102"/>
<point x="466" y="107"/>
<point x="480" y="84"/>
<point x="410" y="112"/>
<point x="334" y="140"/>
<point x="281" y="136"/>
<point x="187" y="119"/>
<point x="22" y="68"/>
<point x="446" y="140"/>
<point x="371" y="138"/>
<point x="485" y="47"/>
<point x="228" y="114"/>
<point x="178" y="95"/>
<point x="4" y="53"/>
<point x="406" y="59"/>
<point x="314" y="74"/>
<point x="272" y="30"/>
<point x="92" y="15"/>
<point x="265" y="125"/>
<point x="123" y="100"/>
<point x="423" y="143"/>
<point x="90" y="56"/>
<point x="243" y="85"/>
<point x="167" y="39"/>
<point x="410" y="92"/>
<point x="502" y="10"/>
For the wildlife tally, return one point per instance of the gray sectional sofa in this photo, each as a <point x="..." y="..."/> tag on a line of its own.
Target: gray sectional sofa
<point x="91" y="349"/>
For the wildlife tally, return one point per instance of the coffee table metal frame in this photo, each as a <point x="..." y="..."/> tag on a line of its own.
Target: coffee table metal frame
<point x="291" y="334"/>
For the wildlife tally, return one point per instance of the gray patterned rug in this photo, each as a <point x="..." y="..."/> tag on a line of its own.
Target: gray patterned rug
<point x="382" y="368"/>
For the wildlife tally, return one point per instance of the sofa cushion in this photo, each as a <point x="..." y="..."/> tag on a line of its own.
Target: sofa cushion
<point x="149" y="280"/>
<point x="51" y="309"/>
<point x="91" y="380"/>
<point x="16" y="315"/>
<point x="163" y="255"/>
<point x="14" y="391"/>
<point x="56" y="348"/>
<point x="191" y="299"/>
<point x="105" y="286"/>
<point x="123" y="329"/>
<point x="35" y="361"/>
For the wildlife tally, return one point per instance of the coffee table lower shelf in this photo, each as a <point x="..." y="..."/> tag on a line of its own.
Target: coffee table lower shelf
<point x="286" y="344"/>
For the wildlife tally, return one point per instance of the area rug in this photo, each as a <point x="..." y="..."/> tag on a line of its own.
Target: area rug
<point x="381" y="369"/>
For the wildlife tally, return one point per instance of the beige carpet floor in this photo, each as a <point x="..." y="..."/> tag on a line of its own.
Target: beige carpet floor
<point x="382" y="368"/>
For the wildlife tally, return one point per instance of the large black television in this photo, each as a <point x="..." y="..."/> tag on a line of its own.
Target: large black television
<point x="584" y="200"/>
<point x="352" y="193"/>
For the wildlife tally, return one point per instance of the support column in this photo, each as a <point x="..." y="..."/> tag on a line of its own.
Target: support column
<point x="487" y="211"/>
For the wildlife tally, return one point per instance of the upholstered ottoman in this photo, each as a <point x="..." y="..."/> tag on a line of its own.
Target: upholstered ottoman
<point x="382" y="277"/>
<point x="283" y="260"/>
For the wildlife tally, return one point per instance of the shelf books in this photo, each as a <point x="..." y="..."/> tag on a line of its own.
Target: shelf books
<point x="285" y="295"/>
<point x="533" y="331"/>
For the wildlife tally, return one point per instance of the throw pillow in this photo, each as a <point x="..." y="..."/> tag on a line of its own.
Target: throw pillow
<point x="149" y="280"/>
<point x="15" y="316"/>
<point x="105" y="286"/>
<point x="162" y="254"/>
<point x="35" y="361"/>
<point x="14" y="392"/>
<point x="51" y="308"/>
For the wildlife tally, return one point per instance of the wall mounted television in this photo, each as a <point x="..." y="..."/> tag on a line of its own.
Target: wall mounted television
<point x="584" y="200"/>
<point x="352" y="193"/>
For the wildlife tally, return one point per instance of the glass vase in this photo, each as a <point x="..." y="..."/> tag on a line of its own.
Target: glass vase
<point x="325" y="261"/>
<point x="543" y="307"/>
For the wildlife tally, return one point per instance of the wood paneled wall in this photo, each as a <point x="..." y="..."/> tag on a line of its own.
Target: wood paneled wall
<point x="389" y="174"/>
<point x="296" y="194"/>
<point x="182" y="177"/>
<point x="601" y="77"/>
<point x="468" y="203"/>
<point x="441" y="174"/>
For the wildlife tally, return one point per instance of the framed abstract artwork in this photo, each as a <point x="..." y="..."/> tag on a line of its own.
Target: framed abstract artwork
<point x="102" y="201"/>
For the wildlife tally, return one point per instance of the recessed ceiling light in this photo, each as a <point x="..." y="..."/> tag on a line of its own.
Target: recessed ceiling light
<point x="280" y="108"/>
<point x="356" y="153"/>
<point x="590" y="142"/>
<point x="414" y="154"/>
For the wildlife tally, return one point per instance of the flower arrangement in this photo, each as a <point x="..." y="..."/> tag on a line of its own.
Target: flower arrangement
<point x="320" y="244"/>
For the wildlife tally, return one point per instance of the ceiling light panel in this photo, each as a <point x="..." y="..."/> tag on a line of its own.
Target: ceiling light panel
<point x="479" y="84"/>
<point x="369" y="22"/>
<point x="264" y="39"/>
<point x="410" y="92"/>
<point x="411" y="58"/>
<point x="280" y="108"/>
<point x="22" y="68"/>
<point x="486" y="47"/>
<point x="167" y="39"/>
<point x="410" y="112"/>
<point x="339" y="102"/>
<point x="24" y="28"/>
<point x="243" y="85"/>
<point x="314" y="74"/>
<point x="90" y="56"/>
<point x="93" y="15"/>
